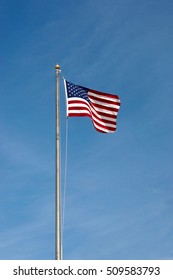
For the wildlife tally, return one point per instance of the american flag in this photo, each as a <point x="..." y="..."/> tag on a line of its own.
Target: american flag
<point x="101" y="107"/>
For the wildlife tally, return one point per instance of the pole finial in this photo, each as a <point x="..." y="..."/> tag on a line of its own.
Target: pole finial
<point x="57" y="66"/>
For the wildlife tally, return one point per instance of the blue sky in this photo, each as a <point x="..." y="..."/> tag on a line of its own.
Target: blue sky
<point x="119" y="196"/>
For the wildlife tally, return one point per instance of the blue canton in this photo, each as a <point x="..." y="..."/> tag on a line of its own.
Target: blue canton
<point x="77" y="91"/>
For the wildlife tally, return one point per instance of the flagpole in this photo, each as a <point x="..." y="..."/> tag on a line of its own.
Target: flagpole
<point x="58" y="253"/>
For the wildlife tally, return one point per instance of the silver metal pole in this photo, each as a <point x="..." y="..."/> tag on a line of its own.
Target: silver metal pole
<point x="58" y="253"/>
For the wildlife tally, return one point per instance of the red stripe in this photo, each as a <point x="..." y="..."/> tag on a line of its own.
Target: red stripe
<point x="103" y="113"/>
<point x="104" y="107"/>
<point x="103" y="126"/>
<point x="93" y="105"/>
<point x="79" y="108"/>
<point x="103" y="94"/>
<point x="105" y="100"/>
<point x="113" y="121"/>
<point x="91" y="114"/>
<point x="70" y="114"/>
<point x="107" y="115"/>
<point x="78" y="115"/>
<point x="77" y="102"/>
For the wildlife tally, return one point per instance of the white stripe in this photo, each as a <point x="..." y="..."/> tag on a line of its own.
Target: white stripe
<point x="114" y="99"/>
<point x="99" y="115"/>
<point x="103" y="129"/>
<point x="98" y="119"/>
<point x="77" y="99"/>
<point x="110" y="112"/>
<point x="103" y="117"/>
<point x="106" y="111"/>
<point x="103" y="123"/>
<point x="78" y="105"/>
<point x="104" y="104"/>
<point x="79" y="111"/>
<point x="95" y="110"/>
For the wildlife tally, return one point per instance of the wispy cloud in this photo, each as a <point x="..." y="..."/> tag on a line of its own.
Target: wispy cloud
<point x="114" y="235"/>
<point x="27" y="239"/>
<point x="19" y="151"/>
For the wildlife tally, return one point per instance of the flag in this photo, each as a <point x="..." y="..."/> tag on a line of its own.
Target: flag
<point x="101" y="107"/>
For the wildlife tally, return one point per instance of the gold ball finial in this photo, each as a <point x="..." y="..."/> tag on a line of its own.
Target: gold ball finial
<point x="57" y="66"/>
